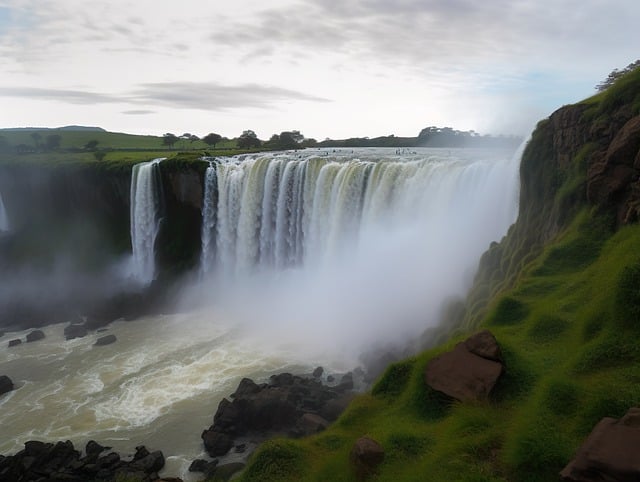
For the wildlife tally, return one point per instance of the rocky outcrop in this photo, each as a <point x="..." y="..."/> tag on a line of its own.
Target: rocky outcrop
<point x="40" y="461"/>
<point x="35" y="335"/>
<point x="611" y="452"/>
<point x="287" y="405"/>
<point x="365" y="456"/>
<point x="75" y="330"/>
<point x="613" y="176"/>
<point x="6" y="385"/>
<point x="468" y="372"/>
<point x="105" y="340"/>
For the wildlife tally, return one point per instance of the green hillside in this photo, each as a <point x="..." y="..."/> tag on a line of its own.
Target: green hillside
<point x="561" y="294"/>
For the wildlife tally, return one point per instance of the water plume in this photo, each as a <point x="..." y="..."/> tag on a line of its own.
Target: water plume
<point x="341" y="252"/>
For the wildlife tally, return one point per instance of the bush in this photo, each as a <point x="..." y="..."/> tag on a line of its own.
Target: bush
<point x="628" y="295"/>
<point x="509" y="311"/>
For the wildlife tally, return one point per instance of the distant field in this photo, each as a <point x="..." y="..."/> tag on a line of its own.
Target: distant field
<point x="77" y="139"/>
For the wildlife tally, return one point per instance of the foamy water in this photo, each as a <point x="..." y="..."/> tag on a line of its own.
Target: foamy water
<point x="158" y="385"/>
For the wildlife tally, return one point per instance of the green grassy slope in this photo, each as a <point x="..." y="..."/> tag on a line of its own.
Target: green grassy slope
<point x="561" y="294"/>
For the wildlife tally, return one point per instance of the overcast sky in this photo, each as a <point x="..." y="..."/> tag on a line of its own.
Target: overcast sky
<point x="329" y="68"/>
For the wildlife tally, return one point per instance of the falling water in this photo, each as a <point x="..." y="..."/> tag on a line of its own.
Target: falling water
<point x="4" y="219"/>
<point x="338" y="252"/>
<point x="146" y="198"/>
<point x="281" y="211"/>
<point x="209" y="220"/>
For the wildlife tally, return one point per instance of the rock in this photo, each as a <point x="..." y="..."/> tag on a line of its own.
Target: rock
<point x="93" y="448"/>
<point x="6" y="385"/>
<point x="150" y="463"/>
<point x="311" y="423"/>
<point x="75" y="331"/>
<point x="1" y="333"/>
<point x="282" y="379"/>
<point x="241" y="448"/>
<point x="330" y="378"/>
<point x="246" y="387"/>
<point x="15" y="342"/>
<point x="35" y="335"/>
<point x="317" y="373"/>
<point x="333" y="408"/>
<point x="366" y="455"/>
<point x="463" y="375"/>
<point x="105" y="340"/>
<point x="485" y="345"/>
<point x="200" y="465"/>
<point x="169" y="479"/>
<point x="610" y="452"/>
<point x="216" y="443"/>
<point x="346" y="382"/>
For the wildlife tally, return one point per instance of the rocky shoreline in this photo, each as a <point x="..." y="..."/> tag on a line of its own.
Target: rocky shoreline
<point x="287" y="405"/>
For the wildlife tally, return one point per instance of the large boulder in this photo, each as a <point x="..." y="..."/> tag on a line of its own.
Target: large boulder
<point x="35" y="335"/>
<point x="366" y="455"/>
<point x="75" y="330"/>
<point x="14" y="342"/>
<point x="464" y="374"/>
<point x="287" y="405"/>
<point x="216" y="443"/>
<point x="6" y="385"/>
<point x="610" y="452"/>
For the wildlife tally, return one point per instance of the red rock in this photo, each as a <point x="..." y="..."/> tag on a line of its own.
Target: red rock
<point x="365" y="457"/>
<point x="611" y="452"/>
<point x="485" y="345"/>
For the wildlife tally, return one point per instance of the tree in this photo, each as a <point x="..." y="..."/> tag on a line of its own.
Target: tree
<point x="615" y="75"/>
<point x="248" y="139"/>
<point x="37" y="138"/>
<point x="91" y="145"/>
<point x="52" y="142"/>
<point x="212" y="139"/>
<point x="99" y="155"/>
<point x="169" y="139"/>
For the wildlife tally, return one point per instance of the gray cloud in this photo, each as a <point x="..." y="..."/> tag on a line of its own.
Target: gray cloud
<point x="62" y="95"/>
<point x="138" y="112"/>
<point x="431" y="35"/>
<point x="181" y="95"/>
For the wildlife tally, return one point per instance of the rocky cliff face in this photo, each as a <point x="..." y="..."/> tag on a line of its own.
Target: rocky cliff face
<point x="584" y="156"/>
<point x="70" y="231"/>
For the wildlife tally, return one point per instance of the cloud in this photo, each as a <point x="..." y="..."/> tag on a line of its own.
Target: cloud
<point x="212" y="96"/>
<point x="208" y="96"/>
<point x="61" y="95"/>
<point x="138" y="112"/>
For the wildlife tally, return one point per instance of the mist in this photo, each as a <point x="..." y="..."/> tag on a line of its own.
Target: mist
<point x="382" y="243"/>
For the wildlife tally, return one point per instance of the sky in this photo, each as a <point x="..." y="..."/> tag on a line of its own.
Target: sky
<point x="328" y="68"/>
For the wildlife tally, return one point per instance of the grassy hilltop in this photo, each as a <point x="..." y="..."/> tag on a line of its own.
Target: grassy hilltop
<point x="560" y="293"/>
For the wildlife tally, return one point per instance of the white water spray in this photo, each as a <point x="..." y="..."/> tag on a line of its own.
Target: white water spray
<point x="362" y="247"/>
<point x="145" y="218"/>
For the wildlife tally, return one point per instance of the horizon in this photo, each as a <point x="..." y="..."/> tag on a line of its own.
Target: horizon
<point x="320" y="67"/>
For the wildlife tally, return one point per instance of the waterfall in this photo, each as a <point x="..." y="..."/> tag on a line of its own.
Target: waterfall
<point x="340" y="251"/>
<point x="207" y="259"/>
<point x="282" y="211"/>
<point x="146" y="198"/>
<point x="4" y="219"/>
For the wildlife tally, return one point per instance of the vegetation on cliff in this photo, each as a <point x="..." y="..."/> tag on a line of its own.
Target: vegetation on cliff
<point x="560" y="293"/>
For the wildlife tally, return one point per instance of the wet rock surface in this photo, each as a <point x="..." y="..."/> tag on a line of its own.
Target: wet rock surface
<point x="287" y="405"/>
<point x="53" y="462"/>
<point x="6" y="385"/>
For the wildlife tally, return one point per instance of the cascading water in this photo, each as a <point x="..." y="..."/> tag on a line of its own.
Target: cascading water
<point x="4" y="219"/>
<point x="366" y="246"/>
<point x="209" y="217"/>
<point x="146" y="198"/>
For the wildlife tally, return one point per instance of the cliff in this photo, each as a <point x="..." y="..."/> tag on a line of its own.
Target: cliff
<point x="560" y="294"/>
<point x="70" y="237"/>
